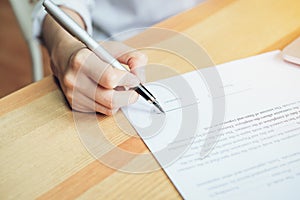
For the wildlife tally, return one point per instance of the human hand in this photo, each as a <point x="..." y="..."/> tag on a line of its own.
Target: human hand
<point x="90" y="84"/>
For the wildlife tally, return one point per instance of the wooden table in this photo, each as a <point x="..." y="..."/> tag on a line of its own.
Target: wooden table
<point x="41" y="152"/>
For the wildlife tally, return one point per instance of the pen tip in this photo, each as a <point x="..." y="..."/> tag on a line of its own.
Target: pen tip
<point x="159" y="107"/>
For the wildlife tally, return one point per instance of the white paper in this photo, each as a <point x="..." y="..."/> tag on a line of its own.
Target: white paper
<point x="256" y="151"/>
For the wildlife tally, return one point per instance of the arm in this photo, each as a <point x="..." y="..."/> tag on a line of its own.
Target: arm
<point x="87" y="82"/>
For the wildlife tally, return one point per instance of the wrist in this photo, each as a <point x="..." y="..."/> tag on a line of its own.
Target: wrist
<point x="62" y="53"/>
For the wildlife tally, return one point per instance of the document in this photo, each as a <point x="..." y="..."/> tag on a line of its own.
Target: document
<point x="229" y="132"/>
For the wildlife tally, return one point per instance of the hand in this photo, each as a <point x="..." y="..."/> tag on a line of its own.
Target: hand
<point x="90" y="84"/>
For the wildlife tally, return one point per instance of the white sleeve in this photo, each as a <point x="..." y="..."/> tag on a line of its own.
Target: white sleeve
<point x="82" y="7"/>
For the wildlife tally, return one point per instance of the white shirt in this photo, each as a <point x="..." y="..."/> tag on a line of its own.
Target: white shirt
<point x="119" y="19"/>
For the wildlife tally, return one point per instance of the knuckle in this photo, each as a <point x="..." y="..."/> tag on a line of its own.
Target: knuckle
<point x="108" y="100"/>
<point x="105" y="111"/>
<point x="68" y="82"/>
<point x="109" y="112"/>
<point x="77" y="59"/>
<point x="75" y="62"/>
<point x="69" y="97"/>
<point x="137" y="58"/>
<point x="110" y="80"/>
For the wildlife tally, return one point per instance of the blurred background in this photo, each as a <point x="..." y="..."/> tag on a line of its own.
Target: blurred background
<point x="15" y="62"/>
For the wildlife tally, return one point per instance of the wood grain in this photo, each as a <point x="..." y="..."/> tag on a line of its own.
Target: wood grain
<point x="43" y="155"/>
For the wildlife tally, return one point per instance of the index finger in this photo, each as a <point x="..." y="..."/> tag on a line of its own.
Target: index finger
<point x="133" y="58"/>
<point x="103" y="73"/>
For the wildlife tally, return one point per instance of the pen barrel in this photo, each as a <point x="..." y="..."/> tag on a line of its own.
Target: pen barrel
<point x="75" y="30"/>
<point x="105" y="56"/>
<point x="69" y="24"/>
<point x="141" y="90"/>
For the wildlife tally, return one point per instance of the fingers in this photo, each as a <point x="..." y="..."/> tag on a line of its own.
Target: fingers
<point x="136" y="62"/>
<point x="112" y="78"/>
<point x="85" y="95"/>
<point x="101" y="72"/>
<point x="113" y="99"/>
<point x="109" y="98"/>
<point x="134" y="59"/>
<point x="90" y="84"/>
<point x="82" y="103"/>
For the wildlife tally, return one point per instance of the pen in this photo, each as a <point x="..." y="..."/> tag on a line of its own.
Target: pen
<point x="74" y="29"/>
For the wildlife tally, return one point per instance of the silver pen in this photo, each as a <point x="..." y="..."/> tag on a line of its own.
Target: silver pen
<point x="74" y="29"/>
